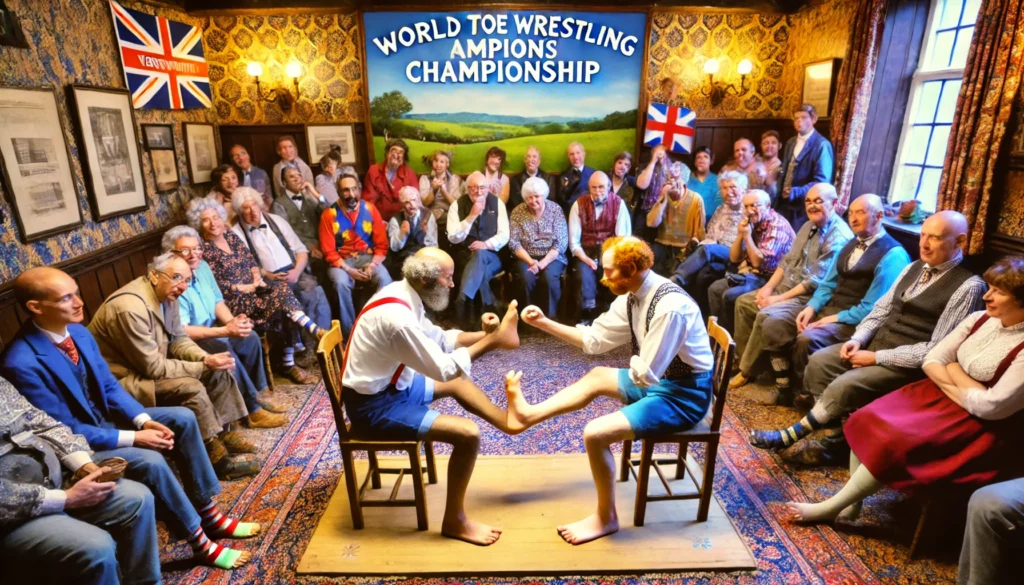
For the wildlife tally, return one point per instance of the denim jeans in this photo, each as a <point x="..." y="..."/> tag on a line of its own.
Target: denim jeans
<point x="722" y="295"/>
<point x="249" y="371"/>
<point x="481" y="266"/>
<point x="527" y="284"/>
<point x="994" y="535"/>
<point x="588" y="280"/>
<point x="343" y="285"/>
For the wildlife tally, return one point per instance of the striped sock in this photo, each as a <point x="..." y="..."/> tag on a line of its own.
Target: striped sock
<point x="288" y="357"/>
<point x="305" y="322"/>
<point x="781" y="439"/>
<point x="212" y="554"/>
<point x="220" y="526"/>
<point x="780" y="365"/>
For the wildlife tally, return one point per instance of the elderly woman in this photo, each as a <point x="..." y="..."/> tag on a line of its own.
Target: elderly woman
<point x="327" y="180"/>
<point x="962" y="426"/>
<point x="623" y="184"/>
<point x="497" y="182"/>
<point x="384" y="180"/>
<point x="704" y="182"/>
<point x="270" y="304"/>
<point x="538" y="238"/>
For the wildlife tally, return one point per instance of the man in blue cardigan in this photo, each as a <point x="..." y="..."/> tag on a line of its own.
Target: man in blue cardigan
<point x="806" y="161"/>
<point x="55" y="363"/>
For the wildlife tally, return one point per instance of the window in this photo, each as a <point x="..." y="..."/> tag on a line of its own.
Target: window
<point x="932" y="103"/>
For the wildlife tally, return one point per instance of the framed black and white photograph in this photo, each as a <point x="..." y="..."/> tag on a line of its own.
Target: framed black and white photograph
<point x="321" y="138"/>
<point x="165" y="169"/>
<point x="819" y="89"/>
<point x="111" y="158"/>
<point x="200" y="151"/>
<point x="36" y="163"/>
<point x="158" y="136"/>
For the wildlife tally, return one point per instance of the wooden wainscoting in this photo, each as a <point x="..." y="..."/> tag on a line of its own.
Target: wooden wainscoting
<point x="721" y="133"/>
<point x="259" y="141"/>
<point x="98" y="274"/>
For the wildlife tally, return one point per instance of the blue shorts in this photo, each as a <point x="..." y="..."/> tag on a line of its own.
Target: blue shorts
<point x="666" y="407"/>
<point x="392" y="414"/>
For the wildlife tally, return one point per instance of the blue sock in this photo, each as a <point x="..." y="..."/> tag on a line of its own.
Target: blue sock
<point x="785" y="437"/>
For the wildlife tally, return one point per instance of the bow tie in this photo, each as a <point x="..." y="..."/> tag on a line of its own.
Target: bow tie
<point x="862" y="245"/>
<point x="258" y="227"/>
<point x="599" y="203"/>
<point x="296" y="197"/>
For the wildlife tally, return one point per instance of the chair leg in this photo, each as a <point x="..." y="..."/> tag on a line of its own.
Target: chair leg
<point x="417" y="488"/>
<point x="643" y="478"/>
<point x="374" y="470"/>
<point x="348" y="463"/>
<point x="920" y="528"/>
<point x="707" y="486"/>
<point x="627" y="452"/>
<point x="681" y="460"/>
<point x="266" y="362"/>
<point x="431" y="466"/>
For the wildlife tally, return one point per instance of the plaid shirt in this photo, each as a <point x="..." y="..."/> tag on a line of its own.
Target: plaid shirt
<point x="774" y="237"/>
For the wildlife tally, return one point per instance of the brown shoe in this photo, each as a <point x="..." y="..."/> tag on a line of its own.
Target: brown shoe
<point x="809" y="452"/>
<point x="268" y="402"/>
<point x="229" y="468"/>
<point x="235" y="442"/>
<point x="737" y="381"/>
<point x="261" y="419"/>
<point x="299" y="375"/>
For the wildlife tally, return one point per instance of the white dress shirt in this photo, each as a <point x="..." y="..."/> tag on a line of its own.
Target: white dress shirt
<point x="269" y="250"/>
<point x="801" y="141"/>
<point x="124" y="438"/>
<point x="677" y="329"/>
<point x="857" y="252"/>
<point x="623" y="227"/>
<point x="459" y="229"/>
<point x="390" y="335"/>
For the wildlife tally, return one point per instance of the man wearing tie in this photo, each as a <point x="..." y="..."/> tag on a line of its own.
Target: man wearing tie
<point x="806" y="160"/>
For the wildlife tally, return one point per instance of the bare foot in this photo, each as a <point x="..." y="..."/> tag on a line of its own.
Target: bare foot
<point x="851" y="512"/>
<point x="590" y="528"/>
<point x="808" y="513"/>
<point x="507" y="337"/>
<point x="470" y="531"/>
<point x="515" y="417"/>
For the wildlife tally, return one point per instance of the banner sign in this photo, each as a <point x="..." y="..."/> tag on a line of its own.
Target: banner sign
<point x="466" y="81"/>
<point x="163" y="61"/>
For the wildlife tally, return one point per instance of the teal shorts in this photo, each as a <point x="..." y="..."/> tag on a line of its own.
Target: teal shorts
<point x="668" y="406"/>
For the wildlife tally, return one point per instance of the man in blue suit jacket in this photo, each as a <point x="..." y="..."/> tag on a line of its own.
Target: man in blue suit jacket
<point x="575" y="181"/>
<point x="806" y="161"/>
<point x="55" y="363"/>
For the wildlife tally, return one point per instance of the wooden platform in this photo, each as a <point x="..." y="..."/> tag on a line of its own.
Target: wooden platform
<point x="528" y="496"/>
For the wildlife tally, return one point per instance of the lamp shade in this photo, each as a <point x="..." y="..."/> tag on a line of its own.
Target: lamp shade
<point x="744" y="67"/>
<point x="711" y="67"/>
<point x="293" y="69"/>
<point x="254" y="69"/>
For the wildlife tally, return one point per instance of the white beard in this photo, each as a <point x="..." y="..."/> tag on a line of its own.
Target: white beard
<point x="435" y="298"/>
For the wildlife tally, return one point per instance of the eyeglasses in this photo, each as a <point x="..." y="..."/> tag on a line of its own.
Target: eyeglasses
<point x="188" y="252"/>
<point x="177" y="279"/>
<point x="476" y="189"/>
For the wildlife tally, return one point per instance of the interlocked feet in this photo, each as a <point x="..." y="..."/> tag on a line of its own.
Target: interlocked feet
<point x="507" y="335"/>
<point x="517" y="405"/>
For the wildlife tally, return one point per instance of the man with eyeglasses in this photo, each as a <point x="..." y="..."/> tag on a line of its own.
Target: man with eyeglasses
<point x="762" y="315"/>
<point x="477" y="228"/>
<point x="209" y="322"/>
<point x="140" y="335"/>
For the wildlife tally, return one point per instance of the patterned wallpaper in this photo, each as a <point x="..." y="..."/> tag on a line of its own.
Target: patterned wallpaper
<point x="326" y="45"/>
<point x="74" y="43"/>
<point x="820" y="31"/>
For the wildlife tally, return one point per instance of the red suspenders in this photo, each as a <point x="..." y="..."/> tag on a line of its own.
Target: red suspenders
<point x="377" y="303"/>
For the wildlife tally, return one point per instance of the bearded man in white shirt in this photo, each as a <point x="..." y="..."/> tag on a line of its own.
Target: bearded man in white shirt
<point x="398" y="362"/>
<point x="666" y="388"/>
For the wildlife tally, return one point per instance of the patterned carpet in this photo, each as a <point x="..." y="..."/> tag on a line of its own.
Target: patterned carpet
<point x="302" y="467"/>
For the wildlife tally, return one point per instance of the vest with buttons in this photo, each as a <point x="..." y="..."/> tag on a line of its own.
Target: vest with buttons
<point x="345" y="229"/>
<point x="305" y="221"/>
<point x="91" y="391"/>
<point x="595" y="230"/>
<point x="486" y="225"/>
<point x="854" y="282"/>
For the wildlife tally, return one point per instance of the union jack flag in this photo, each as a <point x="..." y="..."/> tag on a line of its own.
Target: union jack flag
<point x="163" y="61"/>
<point x="670" y="126"/>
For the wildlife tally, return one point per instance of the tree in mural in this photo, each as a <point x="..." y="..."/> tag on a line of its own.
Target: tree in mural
<point x="387" y="107"/>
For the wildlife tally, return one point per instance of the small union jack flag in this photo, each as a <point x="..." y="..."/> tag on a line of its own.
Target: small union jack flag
<point x="163" y="61"/>
<point x="670" y="126"/>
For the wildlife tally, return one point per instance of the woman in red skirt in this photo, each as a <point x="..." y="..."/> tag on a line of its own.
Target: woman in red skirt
<point x="962" y="426"/>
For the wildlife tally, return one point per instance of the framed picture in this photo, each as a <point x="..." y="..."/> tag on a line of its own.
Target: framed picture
<point x="165" y="169"/>
<point x="158" y="136"/>
<point x="111" y="159"/>
<point x="200" y="151"/>
<point x="820" y="85"/>
<point x="36" y="162"/>
<point x="321" y="138"/>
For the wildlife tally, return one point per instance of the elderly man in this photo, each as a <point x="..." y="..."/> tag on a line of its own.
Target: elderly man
<point x="532" y="169"/>
<point x="54" y="535"/>
<point x="209" y="322"/>
<point x="281" y="256"/>
<point x="889" y="345"/>
<point x="994" y="535"/>
<point x="761" y="315"/>
<point x="679" y="216"/>
<point x="409" y="231"/>
<point x="70" y="382"/>
<point x="301" y="206"/>
<point x="666" y="388"/>
<point x="575" y="181"/>
<point x="744" y="161"/>
<point x="385" y="180"/>
<point x="139" y="333"/>
<point x="592" y="220"/>
<point x="864" y="270"/>
<point x="539" y="239"/>
<point x="806" y="161"/>
<point x="708" y="262"/>
<point x="399" y="362"/>
<point x="354" y="241"/>
<point x="289" y="152"/>
<point x="763" y="238"/>
<point x="477" y="229"/>
<point x="252" y="176"/>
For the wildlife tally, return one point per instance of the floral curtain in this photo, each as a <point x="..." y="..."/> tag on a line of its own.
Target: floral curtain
<point x="853" y="93"/>
<point x="991" y="80"/>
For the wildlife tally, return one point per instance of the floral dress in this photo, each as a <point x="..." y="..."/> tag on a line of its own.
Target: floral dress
<point x="269" y="306"/>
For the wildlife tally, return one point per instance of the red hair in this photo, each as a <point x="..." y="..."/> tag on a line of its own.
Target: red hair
<point x="630" y="254"/>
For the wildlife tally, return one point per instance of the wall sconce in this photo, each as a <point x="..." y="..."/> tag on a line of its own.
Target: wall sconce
<point x="280" y="95"/>
<point x="717" y="91"/>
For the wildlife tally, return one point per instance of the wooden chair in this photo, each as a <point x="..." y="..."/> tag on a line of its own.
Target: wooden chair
<point x="330" y="353"/>
<point x="266" y="362"/>
<point x="724" y="349"/>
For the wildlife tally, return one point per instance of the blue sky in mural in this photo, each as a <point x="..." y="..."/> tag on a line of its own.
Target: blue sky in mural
<point x="615" y="86"/>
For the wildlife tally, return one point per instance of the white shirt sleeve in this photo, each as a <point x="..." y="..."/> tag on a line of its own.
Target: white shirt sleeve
<point x="125" y="439"/>
<point x="499" y="239"/>
<point x="660" y="347"/>
<point x="609" y="331"/>
<point x="1003" y="399"/>
<point x="53" y="502"/>
<point x="623" y="226"/>
<point x="395" y="238"/>
<point x="457" y="229"/>
<point x="575" y="229"/>
<point x="416" y="350"/>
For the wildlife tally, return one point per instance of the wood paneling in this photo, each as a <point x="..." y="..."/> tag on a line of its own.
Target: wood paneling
<point x="259" y="141"/>
<point x="720" y="134"/>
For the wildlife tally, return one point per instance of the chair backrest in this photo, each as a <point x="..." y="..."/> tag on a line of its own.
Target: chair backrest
<point x="724" y="349"/>
<point x="330" y="352"/>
